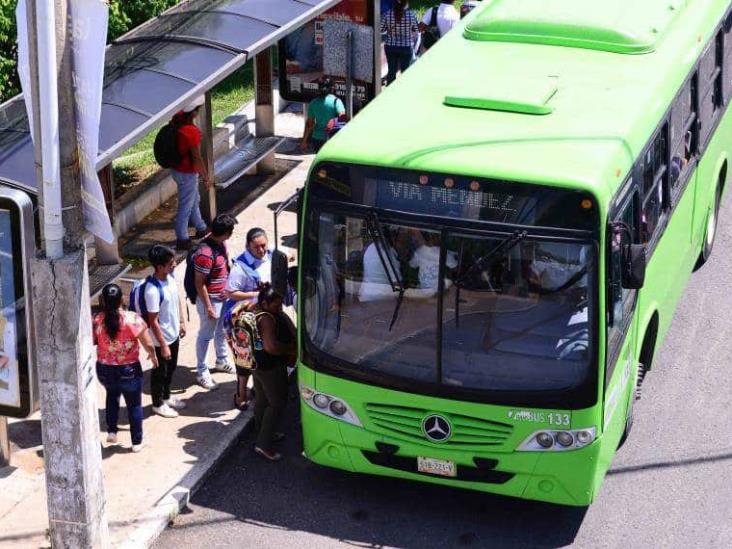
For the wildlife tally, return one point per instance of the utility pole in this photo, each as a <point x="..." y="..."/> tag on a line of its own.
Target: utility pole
<point x="70" y="424"/>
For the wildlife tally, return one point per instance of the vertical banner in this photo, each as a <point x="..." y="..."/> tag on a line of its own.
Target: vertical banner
<point x="21" y="23"/>
<point x="88" y="27"/>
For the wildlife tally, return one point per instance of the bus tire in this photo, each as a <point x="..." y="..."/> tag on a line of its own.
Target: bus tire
<point x="710" y="233"/>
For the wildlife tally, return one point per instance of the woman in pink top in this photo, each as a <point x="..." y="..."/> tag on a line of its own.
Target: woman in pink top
<point x="117" y="335"/>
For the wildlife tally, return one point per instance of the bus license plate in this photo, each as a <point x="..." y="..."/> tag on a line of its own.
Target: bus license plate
<point x="434" y="466"/>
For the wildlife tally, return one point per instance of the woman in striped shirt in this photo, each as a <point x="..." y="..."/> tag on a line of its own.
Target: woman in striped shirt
<point x="400" y="25"/>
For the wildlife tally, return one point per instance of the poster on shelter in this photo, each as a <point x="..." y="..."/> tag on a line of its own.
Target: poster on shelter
<point x="9" y="369"/>
<point x="301" y="54"/>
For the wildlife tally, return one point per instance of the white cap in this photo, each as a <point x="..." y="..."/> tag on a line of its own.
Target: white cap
<point x="197" y="102"/>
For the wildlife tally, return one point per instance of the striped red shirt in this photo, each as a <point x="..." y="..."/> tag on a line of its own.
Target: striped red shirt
<point x="216" y="273"/>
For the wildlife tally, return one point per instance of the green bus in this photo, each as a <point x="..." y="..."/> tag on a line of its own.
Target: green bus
<point x="492" y="251"/>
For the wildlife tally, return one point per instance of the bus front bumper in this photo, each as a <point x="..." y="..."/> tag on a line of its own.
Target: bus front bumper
<point x="567" y="478"/>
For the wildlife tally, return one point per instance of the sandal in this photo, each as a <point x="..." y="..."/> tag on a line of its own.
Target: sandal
<point x="271" y="456"/>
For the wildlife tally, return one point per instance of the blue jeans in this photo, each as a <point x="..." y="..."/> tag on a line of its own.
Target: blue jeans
<point x="210" y="329"/>
<point x="398" y="58"/>
<point x="189" y="204"/>
<point x="123" y="381"/>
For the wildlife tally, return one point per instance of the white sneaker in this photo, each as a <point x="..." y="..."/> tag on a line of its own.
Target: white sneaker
<point x="137" y="447"/>
<point x="226" y="367"/>
<point x="165" y="411"/>
<point x="205" y="381"/>
<point x="175" y="403"/>
<point x="112" y="438"/>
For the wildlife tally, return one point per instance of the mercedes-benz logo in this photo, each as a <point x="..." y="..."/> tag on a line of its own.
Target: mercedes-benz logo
<point x="436" y="428"/>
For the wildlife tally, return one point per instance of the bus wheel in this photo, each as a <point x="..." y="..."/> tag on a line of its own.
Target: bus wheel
<point x="711" y="231"/>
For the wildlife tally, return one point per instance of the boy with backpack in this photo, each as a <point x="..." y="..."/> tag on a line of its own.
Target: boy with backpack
<point x="207" y="270"/>
<point x="156" y="299"/>
<point x="178" y="147"/>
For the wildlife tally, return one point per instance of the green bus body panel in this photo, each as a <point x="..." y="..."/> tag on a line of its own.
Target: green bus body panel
<point x="338" y="444"/>
<point x="605" y="109"/>
<point x="628" y="27"/>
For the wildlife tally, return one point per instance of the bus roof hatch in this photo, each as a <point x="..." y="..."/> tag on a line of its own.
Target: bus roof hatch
<point x="620" y="26"/>
<point x="524" y="97"/>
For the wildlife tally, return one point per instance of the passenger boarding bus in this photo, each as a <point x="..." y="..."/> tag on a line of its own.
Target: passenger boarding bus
<point x="492" y="251"/>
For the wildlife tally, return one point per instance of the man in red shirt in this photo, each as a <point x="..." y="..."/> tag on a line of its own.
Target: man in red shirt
<point x="211" y="264"/>
<point x="186" y="175"/>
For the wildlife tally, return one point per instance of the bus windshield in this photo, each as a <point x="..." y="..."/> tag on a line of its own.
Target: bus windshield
<point x="449" y="309"/>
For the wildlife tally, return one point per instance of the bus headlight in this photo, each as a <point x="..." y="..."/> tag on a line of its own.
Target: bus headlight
<point x="329" y="405"/>
<point x="557" y="441"/>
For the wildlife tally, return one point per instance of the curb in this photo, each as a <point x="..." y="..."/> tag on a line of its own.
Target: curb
<point x="147" y="528"/>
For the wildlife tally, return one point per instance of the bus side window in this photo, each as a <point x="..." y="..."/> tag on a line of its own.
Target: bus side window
<point x="727" y="63"/>
<point x="620" y="301"/>
<point x="684" y="136"/>
<point x="654" y="170"/>
<point x="710" y="86"/>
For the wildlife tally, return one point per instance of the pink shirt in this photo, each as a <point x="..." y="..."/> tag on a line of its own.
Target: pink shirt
<point x="125" y="348"/>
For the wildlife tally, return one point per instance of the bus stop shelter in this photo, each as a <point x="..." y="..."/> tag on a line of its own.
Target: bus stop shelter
<point x="157" y="69"/>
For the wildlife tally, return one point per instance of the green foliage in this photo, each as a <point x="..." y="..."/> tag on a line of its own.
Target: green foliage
<point x="8" y="50"/>
<point x="128" y="14"/>
<point x="123" y="16"/>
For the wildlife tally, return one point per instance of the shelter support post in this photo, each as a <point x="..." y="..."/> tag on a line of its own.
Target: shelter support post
<point x="107" y="254"/>
<point x="4" y="442"/>
<point x="208" y="196"/>
<point x="64" y="350"/>
<point x="264" y="118"/>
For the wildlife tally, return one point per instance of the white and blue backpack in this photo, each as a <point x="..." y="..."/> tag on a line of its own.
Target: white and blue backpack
<point x="137" y="295"/>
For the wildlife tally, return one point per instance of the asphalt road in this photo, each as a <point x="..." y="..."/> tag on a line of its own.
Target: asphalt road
<point x="669" y="486"/>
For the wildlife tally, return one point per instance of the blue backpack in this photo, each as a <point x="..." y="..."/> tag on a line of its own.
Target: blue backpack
<point x="137" y="295"/>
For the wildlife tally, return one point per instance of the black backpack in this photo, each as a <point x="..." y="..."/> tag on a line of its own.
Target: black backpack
<point x="432" y="33"/>
<point x="165" y="147"/>
<point x="189" y="281"/>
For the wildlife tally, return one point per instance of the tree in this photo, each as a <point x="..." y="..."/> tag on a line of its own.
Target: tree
<point x="8" y="50"/>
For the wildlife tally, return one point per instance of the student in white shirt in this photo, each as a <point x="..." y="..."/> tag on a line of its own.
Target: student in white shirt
<point x="167" y="326"/>
<point x="447" y="17"/>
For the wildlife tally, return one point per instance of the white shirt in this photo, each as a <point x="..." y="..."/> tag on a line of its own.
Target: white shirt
<point x="168" y="310"/>
<point x="375" y="283"/>
<point x="447" y="18"/>
<point x="241" y="281"/>
<point x="427" y="260"/>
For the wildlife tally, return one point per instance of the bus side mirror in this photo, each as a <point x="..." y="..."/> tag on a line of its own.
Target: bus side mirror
<point x="634" y="271"/>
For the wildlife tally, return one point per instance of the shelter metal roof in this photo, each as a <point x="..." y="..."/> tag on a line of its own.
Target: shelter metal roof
<point x="158" y="68"/>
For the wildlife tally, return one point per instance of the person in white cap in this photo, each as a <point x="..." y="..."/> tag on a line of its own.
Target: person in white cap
<point x="186" y="174"/>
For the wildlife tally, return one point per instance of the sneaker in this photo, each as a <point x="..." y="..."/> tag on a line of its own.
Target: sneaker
<point x="112" y="438"/>
<point x="200" y="234"/>
<point x="271" y="456"/>
<point x="165" y="411"/>
<point x="175" y="403"/>
<point x="137" y="447"/>
<point x="205" y="381"/>
<point x="226" y="367"/>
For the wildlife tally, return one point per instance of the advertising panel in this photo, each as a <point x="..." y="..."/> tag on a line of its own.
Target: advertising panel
<point x="301" y="54"/>
<point x="16" y="377"/>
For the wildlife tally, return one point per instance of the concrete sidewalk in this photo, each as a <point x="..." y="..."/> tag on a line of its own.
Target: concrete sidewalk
<point x="145" y="491"/>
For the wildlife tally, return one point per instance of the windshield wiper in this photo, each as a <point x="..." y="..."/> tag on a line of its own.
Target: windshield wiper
<point x="504" y="246"/>
<point x="376" y="232"/>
